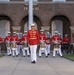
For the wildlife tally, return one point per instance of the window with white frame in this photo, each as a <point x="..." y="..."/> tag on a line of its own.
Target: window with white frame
<point x="59" y="0"/>
<point x="4" y="0"/>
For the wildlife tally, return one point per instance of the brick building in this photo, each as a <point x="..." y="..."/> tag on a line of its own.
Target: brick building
<point x="48" y="14"/>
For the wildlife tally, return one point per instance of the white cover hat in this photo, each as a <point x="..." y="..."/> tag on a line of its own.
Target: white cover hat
<point x="66" y="34"/>
<point x="41" y="30"/>
<point x="25" y="31"/>
<point x="14" y="32"/>
<point x="56" y="31"/>
<point x="33" y="24"/>
<point x="9" y="32"/>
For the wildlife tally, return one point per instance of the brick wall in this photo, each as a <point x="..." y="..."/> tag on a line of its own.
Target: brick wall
<point x="45" y="13"/>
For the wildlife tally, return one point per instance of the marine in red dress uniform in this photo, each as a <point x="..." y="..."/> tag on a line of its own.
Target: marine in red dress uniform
<point x="56" y="40"/>
<point x="7" y="40"/>
<point x="33" y="40"/>
<point x="25" y="44"/>
<point x="65" y="44"/>
<point x="42" y="36"/>
<point x="19" y="43"/>
<point x="47" y="41"/>
<point x="1" y="42"/>
<point x="14" y="40"/>
<point x="42" y="43"/>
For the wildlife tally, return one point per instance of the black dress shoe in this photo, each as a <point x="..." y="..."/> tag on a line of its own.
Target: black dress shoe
<point x="53" y="56"/>
<point x="33" y="62"/>
<point x="39" y="56"/>
<point x="28" y="55"/>
<point x="10" y="54"/>
<point x="42" y="53"/>
<point x="61" y="56"/>
<point x="48" y="54"/>
<point x="16" y="55"/>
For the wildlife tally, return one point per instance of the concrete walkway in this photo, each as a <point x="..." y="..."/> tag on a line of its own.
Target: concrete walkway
<point x="45" y="66"/>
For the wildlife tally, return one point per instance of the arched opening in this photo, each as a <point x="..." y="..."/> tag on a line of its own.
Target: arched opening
<point x="24" y="23"/>
<point x="61" y="24"/>
<point x="5" y="25"/>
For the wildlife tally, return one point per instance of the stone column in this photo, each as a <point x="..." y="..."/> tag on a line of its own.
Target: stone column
<point x="72" y="33"/>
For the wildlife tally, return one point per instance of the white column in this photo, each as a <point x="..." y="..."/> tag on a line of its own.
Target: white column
<point x="30" y="12"/>
<point x="72" y="33"/>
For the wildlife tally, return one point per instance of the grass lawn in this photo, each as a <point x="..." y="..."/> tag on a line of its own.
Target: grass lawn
<point x="1" y="55"/>
<point x="69" y="56"/>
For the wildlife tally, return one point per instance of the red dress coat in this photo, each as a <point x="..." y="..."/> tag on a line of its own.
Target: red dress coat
<point x="14" y="39"/>
<point x="1" y="40"/>
<point x="33" y="37"/>
<point x="42" y="37"/>
<point x="8" y="38"/>
<point x="65" y="40"/>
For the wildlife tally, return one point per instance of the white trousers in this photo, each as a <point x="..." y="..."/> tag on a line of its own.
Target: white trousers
<point x="9" y="51"/>
<point x="60" y="49"/>
<point x="25" y="49"/>
<point x="33" y="49"/>
<point x="42" y="49"/>
<point x="57" y="49"/>
<point x="18" y="48"/>
<point x="48" y="49"/>
<point x="14" y="51"/>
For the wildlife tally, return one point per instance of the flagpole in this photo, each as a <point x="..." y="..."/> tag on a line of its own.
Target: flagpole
<point x="30" y="13"/>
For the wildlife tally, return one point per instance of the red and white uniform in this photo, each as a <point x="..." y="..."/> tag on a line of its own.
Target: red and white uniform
<point x="42" y="37"/>
<point x="24" y="38"/>
<point x="19" y="45"/>
<point x="14" y="39"/>
<point x="42" y="40"/>
<point x="8" y="38"/>
<point x="33" y="37"/>
<point x="1" y="40"/>
<point x="65" y="40"/>
<point x="24" y="41"/>
<point x="33" y="40"/>
<point x="56" y="39"/>
<point x="47" y="41"/>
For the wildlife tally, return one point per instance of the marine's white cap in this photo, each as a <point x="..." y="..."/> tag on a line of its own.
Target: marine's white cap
<point x="25" y="31"/>
<point x="66" y="35"/>
<point x="41" y="30"/>
<point x="56" y="31"/>
<point x="47" y="32"/>
<point x="9" y="32"/>
<point x="33" y="24"/>
<point x="14" y="32"/>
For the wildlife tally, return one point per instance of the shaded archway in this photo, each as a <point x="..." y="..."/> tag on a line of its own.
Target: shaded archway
<point x="5" y="26"/>
<point x="64" y="21"/>
<point x="25" y="22"/>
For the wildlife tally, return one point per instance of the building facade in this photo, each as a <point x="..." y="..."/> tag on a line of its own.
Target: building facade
<point x="48" y="14"/>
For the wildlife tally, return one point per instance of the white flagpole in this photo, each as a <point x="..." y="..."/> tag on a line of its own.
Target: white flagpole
<point x="30" y="13"/>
